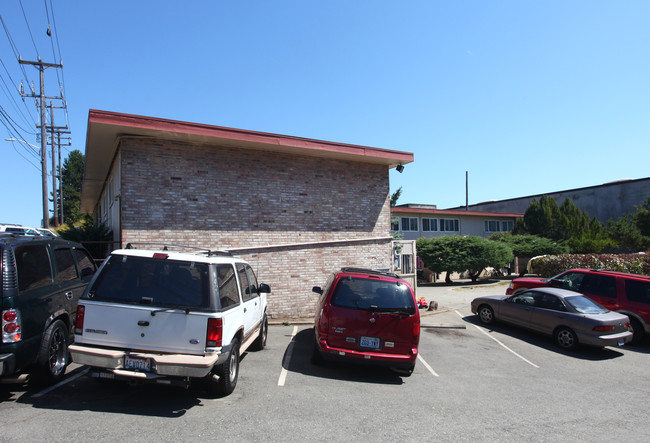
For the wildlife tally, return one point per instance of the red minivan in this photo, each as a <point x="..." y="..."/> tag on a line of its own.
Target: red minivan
<point x="367" y="316"/>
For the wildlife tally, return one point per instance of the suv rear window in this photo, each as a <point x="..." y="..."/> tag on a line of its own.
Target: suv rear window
<point x="373" y="295"/>
<point x="139" y="280"/>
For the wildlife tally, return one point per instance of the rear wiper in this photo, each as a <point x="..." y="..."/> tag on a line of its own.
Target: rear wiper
<point x="379" y="311"/>
<point x="153" y="313"/>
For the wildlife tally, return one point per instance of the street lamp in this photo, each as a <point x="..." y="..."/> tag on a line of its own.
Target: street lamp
<point x="46" y="214"/>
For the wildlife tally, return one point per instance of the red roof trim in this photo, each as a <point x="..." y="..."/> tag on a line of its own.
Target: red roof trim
<point x="395" y="211"/>
<point x="175" y="126"/>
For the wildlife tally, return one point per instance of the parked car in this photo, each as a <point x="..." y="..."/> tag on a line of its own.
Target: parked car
<point x="367" y="316"/>
<point x="19" y="230"/>
<point x="625" y="293"/>
<point x="171" y="317"/>
<point x="41" y="279"/>
<point x="570" y="318"/>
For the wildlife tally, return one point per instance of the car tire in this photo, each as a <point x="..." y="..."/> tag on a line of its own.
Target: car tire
<point x="486" y="314"/>
<point x="637" y="331"/>
<point x="566" y="338"/>
<point x="228" y="372"/>
<point x="53" y="357"/>
<point x="260" y="341"/>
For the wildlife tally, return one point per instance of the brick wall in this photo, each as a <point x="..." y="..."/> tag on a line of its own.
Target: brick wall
<point x="224" y="198"/>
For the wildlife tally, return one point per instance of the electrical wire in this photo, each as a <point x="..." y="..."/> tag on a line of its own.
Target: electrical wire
<point x="29" y="29"/>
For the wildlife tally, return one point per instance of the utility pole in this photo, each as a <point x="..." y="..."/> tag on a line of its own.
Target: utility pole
<point x="41" y="66"/>
<point x="54" y="199"/>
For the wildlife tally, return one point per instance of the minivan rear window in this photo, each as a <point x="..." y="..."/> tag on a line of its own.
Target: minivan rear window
<point x="373" y="295"/>
<point x="145" y="281"/>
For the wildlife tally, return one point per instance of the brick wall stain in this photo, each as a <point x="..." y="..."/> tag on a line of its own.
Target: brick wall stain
<point x="222" y="197"/>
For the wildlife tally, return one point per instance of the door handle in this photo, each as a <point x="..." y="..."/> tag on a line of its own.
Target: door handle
<point x="143" y="323"/>
<point x="244" y="309"/>
<point x="68" y="295"/>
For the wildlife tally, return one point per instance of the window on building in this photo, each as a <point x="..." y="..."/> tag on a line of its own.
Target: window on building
<point x="394" y="224"/>
<point x="429" y="224"/>
<point x="409" y="224"/>
<point x="449" y="225"/>
<point x="498" y="225"/>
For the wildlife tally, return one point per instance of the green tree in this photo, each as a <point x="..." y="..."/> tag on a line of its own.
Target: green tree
<point x="530" y="245"/>
<point x="89" y="234"/>
<point x="566" y="223"/>
<point x="459" y="254"/>
<point x="71" y="177"/>
<point x="642" y="218"/>
<point x="395" y="196"/>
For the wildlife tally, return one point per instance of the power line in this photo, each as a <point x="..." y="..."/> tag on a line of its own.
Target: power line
<point x="29" y="29"/>
<point x="8" y="93"/>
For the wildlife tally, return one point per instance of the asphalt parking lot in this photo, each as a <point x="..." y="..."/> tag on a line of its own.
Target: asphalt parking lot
<point x="471" y="383"/>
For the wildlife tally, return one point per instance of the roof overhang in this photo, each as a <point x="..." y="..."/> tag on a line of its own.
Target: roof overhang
<point x="105" y="129"/>
<point x="451" y="212"/>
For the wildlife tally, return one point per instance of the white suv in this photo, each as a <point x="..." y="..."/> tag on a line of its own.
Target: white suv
<point x="170" y="317"/>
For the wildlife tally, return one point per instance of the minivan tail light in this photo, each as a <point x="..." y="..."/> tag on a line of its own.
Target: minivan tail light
<point x="79" y="321"/>
<point x="416" y="330"/>
<point x="11" y="326"/>
<point x="324" y="321"/>
<point x="214" y="336"/>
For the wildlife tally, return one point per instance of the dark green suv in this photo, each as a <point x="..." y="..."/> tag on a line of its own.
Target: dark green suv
<point x="41" y="279"/>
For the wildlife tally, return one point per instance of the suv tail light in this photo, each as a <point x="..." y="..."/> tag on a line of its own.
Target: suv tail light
<point x="79" y="321"/>
<point x="11" y="326"/>
<point x="214" y="335"/>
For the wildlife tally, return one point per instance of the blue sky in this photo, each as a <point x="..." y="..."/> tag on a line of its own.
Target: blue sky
<point x="528" y="97"/>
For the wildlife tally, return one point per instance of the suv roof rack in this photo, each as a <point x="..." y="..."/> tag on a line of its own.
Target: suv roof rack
<point x="370" y="271"/>
<point x="166" y="246"/>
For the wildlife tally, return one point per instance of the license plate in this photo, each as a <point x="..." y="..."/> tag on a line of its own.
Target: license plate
<point x="369" y="342"/>
<point x="140" y="364"/>
<point x="621" y="342"/>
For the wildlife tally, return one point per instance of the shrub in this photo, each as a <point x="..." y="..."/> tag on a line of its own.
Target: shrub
<point x="551" y="265"/>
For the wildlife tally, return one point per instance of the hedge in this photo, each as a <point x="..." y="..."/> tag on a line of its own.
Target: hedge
<point x="550" y="265"/>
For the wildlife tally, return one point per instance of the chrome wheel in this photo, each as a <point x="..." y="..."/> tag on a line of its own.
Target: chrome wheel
<point x="58" y="352"/>
<point x="486" y="314"/>
<point x="566" y="338"/>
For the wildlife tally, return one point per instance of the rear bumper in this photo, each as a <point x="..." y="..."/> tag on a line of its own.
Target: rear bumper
<point x="378" y="358"/>
<point x="166" y="365"/>
<point x="606" y="340"/>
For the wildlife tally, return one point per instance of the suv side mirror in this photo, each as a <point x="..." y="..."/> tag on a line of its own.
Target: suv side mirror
<point x="263" y="288"/>
<point x="317" y="290"/>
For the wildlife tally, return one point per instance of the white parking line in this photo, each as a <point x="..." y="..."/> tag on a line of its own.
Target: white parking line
<point x="61" y="383"/>
<point x="287" y="358"/>
<point x="504" y="346"/>
<point x="426" y="365"/>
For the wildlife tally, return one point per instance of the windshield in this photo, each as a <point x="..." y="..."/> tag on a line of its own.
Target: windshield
<point x="585" y="305"/>
<point x="139" y="280"/>
<point x="373" y="295"/>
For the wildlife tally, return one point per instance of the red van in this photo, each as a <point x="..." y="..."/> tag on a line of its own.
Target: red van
<point x="367" y="316"/>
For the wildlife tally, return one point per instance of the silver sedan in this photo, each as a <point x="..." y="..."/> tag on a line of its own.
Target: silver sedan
<point x="568" y="317"/>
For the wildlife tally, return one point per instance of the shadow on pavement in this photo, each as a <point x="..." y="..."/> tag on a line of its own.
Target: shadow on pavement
<point x="297" y="358"/>
<point x="542" y="341"/>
